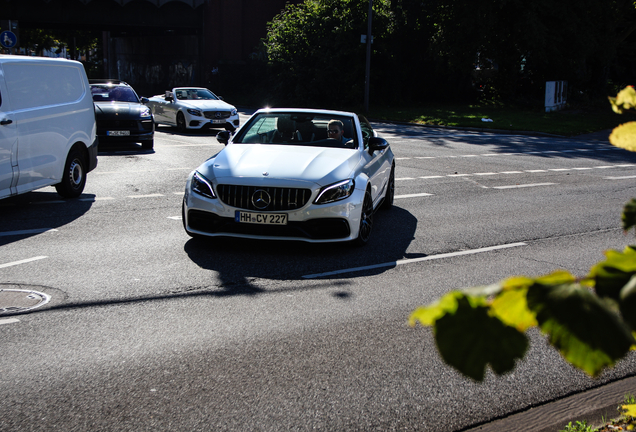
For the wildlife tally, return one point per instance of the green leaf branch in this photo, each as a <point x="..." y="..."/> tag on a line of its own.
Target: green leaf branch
<point x="591" y="320"/>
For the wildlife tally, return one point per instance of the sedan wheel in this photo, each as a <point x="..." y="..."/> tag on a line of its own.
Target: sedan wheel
<point x="366" y="220"/>
<point x="181" y="123"/>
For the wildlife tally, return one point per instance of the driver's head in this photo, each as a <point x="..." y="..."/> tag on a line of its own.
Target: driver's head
<point x="335" y="129"/>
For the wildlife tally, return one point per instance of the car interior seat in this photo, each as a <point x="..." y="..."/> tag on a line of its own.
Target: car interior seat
<point x="305" y="131"/>
<point x="285" y="128"/>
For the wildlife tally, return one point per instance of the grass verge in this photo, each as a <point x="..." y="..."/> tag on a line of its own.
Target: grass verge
<point x="568" y="122"/>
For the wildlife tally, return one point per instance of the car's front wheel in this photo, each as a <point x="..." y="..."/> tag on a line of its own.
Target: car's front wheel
<point x="73" y="177"/>
<point x="181" y="122"/>
<point x="366" y="220"/>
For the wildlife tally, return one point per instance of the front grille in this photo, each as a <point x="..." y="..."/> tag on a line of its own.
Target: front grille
<point x="281" y="199"/>
<point x="216" y="114"/>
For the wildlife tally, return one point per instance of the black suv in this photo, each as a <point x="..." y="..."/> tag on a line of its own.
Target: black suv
<point x="120" y="114"/>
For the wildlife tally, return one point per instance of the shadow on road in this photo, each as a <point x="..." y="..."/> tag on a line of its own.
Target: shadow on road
<point x="239" y="261"/>
<point x="33" y="213"/>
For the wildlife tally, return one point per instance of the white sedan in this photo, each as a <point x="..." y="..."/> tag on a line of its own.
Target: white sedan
<point x="193" y="108"/>
<point x="283" y="176"/>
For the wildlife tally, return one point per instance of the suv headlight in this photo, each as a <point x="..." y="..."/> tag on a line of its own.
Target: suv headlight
<point x="194" y="112"/>
<point x="202" y="186"/>
<point x="145" y="112"/>
<point x="335" y="192"/>
<point x="234" y="112"/>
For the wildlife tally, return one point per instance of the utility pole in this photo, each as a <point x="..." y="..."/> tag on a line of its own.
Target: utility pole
<point x="367" y="75"/>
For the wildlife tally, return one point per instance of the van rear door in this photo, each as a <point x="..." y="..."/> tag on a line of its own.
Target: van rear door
<point x="8" y="144"/>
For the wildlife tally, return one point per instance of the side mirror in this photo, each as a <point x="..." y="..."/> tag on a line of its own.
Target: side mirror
<point x="169" y="97"/>
<point x="377" y="143"/>
<point x="223" y="137"/>
<point x="144" y="100"/>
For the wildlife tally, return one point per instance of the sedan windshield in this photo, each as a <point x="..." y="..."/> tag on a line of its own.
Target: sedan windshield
<point x="109" y="93"/>
<point x="305" y="129"/>
<point x="195" y="94"/>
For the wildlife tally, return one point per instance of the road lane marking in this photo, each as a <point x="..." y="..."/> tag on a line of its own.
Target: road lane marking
<point x="145" y="196"/>
<point x="404" y="178"/>
<point x="619" y="178"/>
<point x="523" y="186"/>
<point x="415" y="260"/>
<point x="412" y="195"/>
<point x="15" y="263"/>
<point x="26" y="232"/>
<point x="9" y="321"/>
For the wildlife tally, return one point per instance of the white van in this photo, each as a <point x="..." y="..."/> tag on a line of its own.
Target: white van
<point x="47" y="125"/>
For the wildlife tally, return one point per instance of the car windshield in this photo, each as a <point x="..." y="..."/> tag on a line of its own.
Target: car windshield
<point x="194" y="94"/>
<point x="305" y="129"/>
<point x="110" y="93"/>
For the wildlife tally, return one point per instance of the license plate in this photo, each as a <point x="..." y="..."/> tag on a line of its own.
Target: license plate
<point x="118" y="133"/>
<point x="260" y="218"/>
<point x="217" y="121"/>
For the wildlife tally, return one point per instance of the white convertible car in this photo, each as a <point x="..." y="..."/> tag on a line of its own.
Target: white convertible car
<point x="282" y="176"/>
<point x="193" y="108"/>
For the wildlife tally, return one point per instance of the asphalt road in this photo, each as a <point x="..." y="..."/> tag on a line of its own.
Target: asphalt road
<point x="147" y="329"/>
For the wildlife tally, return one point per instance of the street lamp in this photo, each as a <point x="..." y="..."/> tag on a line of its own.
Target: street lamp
<point x="367" y="75"/>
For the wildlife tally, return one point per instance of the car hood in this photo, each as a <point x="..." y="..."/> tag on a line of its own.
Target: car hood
<point x="247" y="162"/>
<point x="206" y="104"/>
<point x="118" y="108"/>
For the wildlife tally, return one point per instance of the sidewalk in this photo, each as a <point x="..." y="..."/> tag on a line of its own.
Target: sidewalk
<point x="592" y="405"/>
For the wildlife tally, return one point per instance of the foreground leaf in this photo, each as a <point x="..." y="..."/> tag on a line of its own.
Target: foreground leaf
<point x="624" y="100"/>
<point x="470" y="339"/>
<point x="612" y="274"/>
<point x="584" y="330"/>
<point x="624" y="136"/>
<point x="428" y="315"/>
<point x="629" y="410"/>
<point x="627" y="303"/>
<point x="511" y="307"/>
<point x="629" y="215"/>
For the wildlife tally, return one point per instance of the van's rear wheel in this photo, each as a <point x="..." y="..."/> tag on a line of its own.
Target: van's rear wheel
<point x="73" y="177"/>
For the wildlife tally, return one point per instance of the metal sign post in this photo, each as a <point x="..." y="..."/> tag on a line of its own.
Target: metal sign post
<point x="367" y="75"/>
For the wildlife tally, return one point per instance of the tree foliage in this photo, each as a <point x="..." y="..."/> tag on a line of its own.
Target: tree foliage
<point x="440" y="49"/>
<point x="590" y="320"/>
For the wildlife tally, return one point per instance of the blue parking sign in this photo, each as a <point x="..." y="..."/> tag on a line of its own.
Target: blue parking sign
<point x="8" y="39"/>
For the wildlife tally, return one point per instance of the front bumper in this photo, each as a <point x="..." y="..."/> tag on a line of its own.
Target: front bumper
<point x="334" y="222"/>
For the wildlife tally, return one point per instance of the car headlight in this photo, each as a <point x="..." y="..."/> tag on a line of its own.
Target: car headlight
<point x="335" y="192"/>
<point x="194" y="112"/>
<point x="202" y="186"/>
<point x="234" y="112"/>
<point x="145" y="112"/>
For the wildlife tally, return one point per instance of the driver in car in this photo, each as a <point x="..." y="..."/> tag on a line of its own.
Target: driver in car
<point x="335" y="130"/>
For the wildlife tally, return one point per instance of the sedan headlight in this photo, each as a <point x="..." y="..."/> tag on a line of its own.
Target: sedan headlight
<point x="202" y="186"/>
<point x="336" y="192"/>
<point x="195" y="112"/>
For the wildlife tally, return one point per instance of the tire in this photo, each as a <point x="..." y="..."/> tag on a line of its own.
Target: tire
<point x="366" y="220"/>
<point x="148" y="145"/>
<point x="181" y="122"/>
<point x="390" y="191"/>
<point x="74" y="176"/>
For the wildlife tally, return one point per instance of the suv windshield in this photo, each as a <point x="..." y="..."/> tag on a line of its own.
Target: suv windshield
<point x="299" y="129"/>
<point x="110" y="93"/>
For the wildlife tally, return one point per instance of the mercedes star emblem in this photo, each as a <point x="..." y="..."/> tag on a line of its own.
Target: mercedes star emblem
<point x="261" y="199"/>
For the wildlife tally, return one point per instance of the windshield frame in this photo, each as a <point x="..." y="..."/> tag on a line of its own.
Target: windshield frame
<point x="266" y="128"/>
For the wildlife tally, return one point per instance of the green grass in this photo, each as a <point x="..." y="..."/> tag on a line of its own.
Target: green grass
<point x="568" y="122"/>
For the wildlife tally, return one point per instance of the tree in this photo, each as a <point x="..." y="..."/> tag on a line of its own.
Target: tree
<point x="590" y="320"/>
